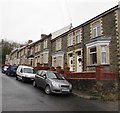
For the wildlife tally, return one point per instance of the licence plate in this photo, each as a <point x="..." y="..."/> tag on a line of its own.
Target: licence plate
<point x="65" y="89"/>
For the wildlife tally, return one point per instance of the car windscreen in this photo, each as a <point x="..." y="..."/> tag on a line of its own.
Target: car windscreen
<point x="55" y="76"/>
<point x="29" y="70"/>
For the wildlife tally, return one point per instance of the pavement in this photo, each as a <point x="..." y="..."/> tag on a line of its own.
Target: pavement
<point x="107" y="104"/>
<point x="84" y="95"/>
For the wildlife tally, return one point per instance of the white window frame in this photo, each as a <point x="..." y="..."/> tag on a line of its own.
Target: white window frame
<point x="77" y="36"/>
<point x="58" y="44"/>
<point x="91" y="53"/>
<point x="45" y="43"/>
<point x="39" y="47"/>
<point x="96" y="29"/>
<point x="70" y="39"/>
<point x="99" y="44"/>
<point x="106" y="55"/>
<point x="36" y="48"/>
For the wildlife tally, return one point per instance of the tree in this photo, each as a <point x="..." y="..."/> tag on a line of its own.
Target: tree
<point x="5" y="48"/>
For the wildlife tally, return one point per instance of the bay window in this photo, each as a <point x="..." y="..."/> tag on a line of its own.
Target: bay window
<point x="104" y="55"/>
<point x="93" y="55"/>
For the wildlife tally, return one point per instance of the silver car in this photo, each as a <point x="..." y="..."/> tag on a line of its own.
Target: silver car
<point x="52" y="82"/>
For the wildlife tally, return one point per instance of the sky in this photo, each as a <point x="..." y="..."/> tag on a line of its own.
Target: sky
<point x="23" y="20"/>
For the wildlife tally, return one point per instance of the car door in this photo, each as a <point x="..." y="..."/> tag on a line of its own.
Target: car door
<point x="38" y="78"/>
<point x="18" y="72"/>
<point x="42" y="79"/>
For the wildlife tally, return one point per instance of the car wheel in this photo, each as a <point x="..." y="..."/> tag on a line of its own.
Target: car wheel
<point x="34" y="84"/>
<point x="16" y="77"/>
<point x="47" y="90"/>
<point x="23" y="79"/>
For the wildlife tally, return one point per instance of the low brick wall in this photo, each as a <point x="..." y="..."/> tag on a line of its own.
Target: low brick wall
<point x="97" y="74"/>
<point x="106" y="89"/>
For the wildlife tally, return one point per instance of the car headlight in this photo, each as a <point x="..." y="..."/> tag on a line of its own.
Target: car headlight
<point x="55" y="84"/>
<point x="70" y="86"/>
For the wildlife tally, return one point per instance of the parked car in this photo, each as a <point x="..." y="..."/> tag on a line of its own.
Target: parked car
<point x="4" y="68"/>
<point x="11" y="70"/>
<point x="52" y="82"/>
<point x="25" y="73"/>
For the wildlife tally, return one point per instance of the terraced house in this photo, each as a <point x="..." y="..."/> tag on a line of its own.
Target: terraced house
<point x="58" y="47"/>
<point x="42" y="50"/>
<point x="95" y="42"/>
<point x="101" y="41"/>
<point x="74" y="49"/>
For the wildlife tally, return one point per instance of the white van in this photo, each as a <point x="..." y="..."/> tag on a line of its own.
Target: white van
<point x="25" y="73"/>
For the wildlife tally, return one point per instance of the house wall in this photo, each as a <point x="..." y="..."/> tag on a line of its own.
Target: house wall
<point x="86" y="38"/>
<point x="108" y="24"/>
<point x="109" y="28"/>
<point x="61" y="52"/>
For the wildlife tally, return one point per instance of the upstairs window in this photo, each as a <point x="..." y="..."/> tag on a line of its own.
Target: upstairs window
<point x="96" y="29"/>
<point x="70" y="39"/>
<point x="45" y="43"/>
<point x="39" y="47"/>
<point x="36" y="48"/>
<point x="31" y="51"/>
<point x="77" y="36"/>
<point x="58" y="44"/>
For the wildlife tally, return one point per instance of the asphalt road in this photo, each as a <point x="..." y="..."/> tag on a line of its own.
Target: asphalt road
<point x="18" y="96"/>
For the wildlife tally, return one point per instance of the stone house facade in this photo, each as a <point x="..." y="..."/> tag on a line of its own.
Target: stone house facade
<point x="38" y="51"/>
<point x="13" y="57"/>
<point x="74" y="49"/>
<point x="58" y="47"/>
<point x="100" y="41"/>
<point x="95" y="42"/>
<point x="44" y="50"/>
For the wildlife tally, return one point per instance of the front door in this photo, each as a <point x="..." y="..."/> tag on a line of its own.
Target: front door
<point x="71" y="62"/>
<point x="79" y="62"/>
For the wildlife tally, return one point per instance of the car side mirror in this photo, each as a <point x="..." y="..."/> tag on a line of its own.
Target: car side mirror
<point x="44" y="76"/>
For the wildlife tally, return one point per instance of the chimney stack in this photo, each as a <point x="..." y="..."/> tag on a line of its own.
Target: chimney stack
<point x="43" y="36"/>
<point x="21" y="45"/>
<point x="30" y="41"/>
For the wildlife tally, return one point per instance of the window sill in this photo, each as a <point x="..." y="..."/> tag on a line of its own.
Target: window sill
<point x="77" y="43"/>
<point x="93" y="65"/>
<point x="58" y="50"/>
<point x="70" y="46"/>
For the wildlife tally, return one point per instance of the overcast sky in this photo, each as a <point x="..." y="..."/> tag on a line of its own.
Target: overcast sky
<point x="21" y="20"/>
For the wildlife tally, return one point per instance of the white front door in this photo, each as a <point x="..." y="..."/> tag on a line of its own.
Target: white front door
<point x="71" y="63"/>
<point x="79" y="63"/>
